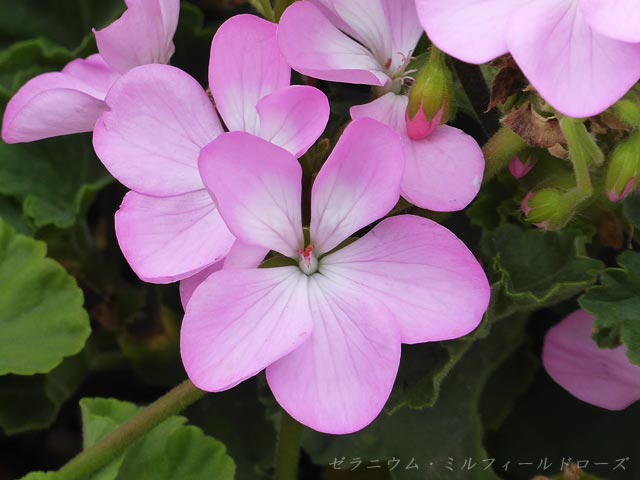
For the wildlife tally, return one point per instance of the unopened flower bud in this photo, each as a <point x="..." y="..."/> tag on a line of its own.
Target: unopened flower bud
<point x="548" y="208"/>
<point x="522" y="165"/>
<point x="430" y="97"/>
<point x="623" y="173"/>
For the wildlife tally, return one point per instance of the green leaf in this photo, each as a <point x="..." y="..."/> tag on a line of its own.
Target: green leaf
<point x="32" y="402"/>
<point x="41" y="314"/>
<point x="11" y="213"/>
<point x="452" y="428"/>
<point x="54" y="179"/>
<point x="616" y="306"/>
<point x="534" y="269"/>
<point x="42" y="476"/>
<point x="169" y="451"/>
<point x="63" y="21"/>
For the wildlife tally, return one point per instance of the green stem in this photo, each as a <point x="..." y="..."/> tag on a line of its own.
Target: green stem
<point x="288" y="450"/>
<point x="281" y="6"/>
<point x="264" y="8"/>
<point x="582" y="151"/>
<point x="475" y="86"/>
<point x="499" y="151"/>
<point x="107" y="449"/>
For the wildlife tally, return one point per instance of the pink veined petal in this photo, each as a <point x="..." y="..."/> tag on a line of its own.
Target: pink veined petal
<point x="367" y="18"/>
<point x="340" y="378"/>
<point x="315" y="47"/>
<point x="422" y="272"/>
<point x="240" y="321"/>
<point x="159" y="120"/>
<point x="166" y="239"/>
<point x="358" y="184"/>
<point x="95" y="72"/>
<point x="405" y="29"/>
<point x="240" y="256"/>
<point x="577" y="70"/>
<point x="258" y="189"/>
<point x="50" y="105"/>
<point x="470" y="30"/>
<point x="443" y="171"/>
<point x="619" y="19"/>
<point x="245" y="66"/>
<point x="601" y="377"/>
<point x="142" y="35"/>
<point x="294" y="117"/>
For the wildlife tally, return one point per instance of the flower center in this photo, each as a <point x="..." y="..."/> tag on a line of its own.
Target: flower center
<point x="399" y="77"/>
<point x="307" y="262"/>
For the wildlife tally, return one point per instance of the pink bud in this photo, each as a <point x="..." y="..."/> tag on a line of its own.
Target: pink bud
<point x="628" y="188"/>
<point x="419" y="127"/>
<point x="519" y="169"/>
<point x="524" y="205"/>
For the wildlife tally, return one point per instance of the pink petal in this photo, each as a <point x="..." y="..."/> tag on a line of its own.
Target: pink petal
<point x="294" y="117"/>
<point x="258" y="187"/>
<point x="367" y="18"/>
<point x="313" y="46"/>
<point x="470" y="30"/>
<point x="422" y="272"/>
<point x="618" y="19"/>
<point x="142" y="35"/>
<point x="340" y="378"/>
<point x="601" y="377"/>
<point x="240" y="321"/>
<point x="245" y="66"/>
<point x="95" y="72"/>
<point x="166" y="239"/>
<point x="405" y="28"/>
<point x="240" y="256"/>
<point x="358" y="184"/>
<point x="443" y="171"/>
<point x="587" y="72"/>
<point x="160" y="118"/>
<point x="50" y="105"/>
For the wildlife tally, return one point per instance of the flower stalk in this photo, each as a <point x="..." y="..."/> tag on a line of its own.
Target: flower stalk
<point x="288" y="449"/>
<point x="107" y="449"/>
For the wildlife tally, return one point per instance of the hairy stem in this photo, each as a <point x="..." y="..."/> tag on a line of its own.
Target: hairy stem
<point x="288" y="450"/>
<point x="582" y="151"/>
<point x="499" y="151"/>
<point x="108" y="448"/>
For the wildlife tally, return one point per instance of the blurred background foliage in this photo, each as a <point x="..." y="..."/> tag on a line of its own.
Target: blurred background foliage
<point x="77" y="324"/>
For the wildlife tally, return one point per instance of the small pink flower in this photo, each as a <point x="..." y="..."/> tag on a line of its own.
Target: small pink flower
<point x="581" y="55"/>
<point x="370" y="42"/>
<point x="327" y="328"/>
<point x="168" y="226"/>
<point x="70" y="101"/>
<point x="602" y="377"/>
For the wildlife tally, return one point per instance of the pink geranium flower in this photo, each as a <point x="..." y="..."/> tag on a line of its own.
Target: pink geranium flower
<point x="327" y="328"/>
<point x="168" y="226"/>
<point x="581" y="55"/>
<point x="371" y="42"/>
<point x="601" y="377"/>
<point x="70" y="101"/>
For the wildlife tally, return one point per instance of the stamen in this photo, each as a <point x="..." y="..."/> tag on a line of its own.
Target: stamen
<point x="308" y="262"/>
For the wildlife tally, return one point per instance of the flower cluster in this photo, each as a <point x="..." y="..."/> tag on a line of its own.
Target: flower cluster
<point x="310" y="274"/>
